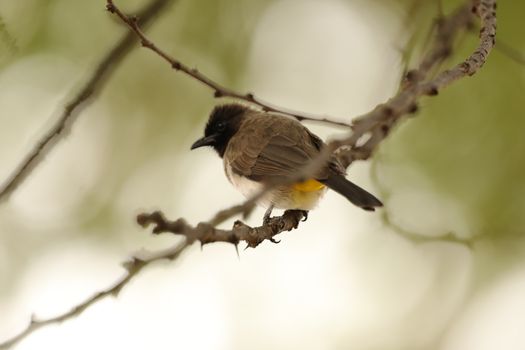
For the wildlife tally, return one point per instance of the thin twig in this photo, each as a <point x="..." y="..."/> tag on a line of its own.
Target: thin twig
<point x="90" y="89"/>
<point x="511" y="52"/>
<point x="449" y="237"/>
<point x="414" y="237"/>
<point x="204" y="233"/>
<point x="133" y="266"/>
<point x="376" y="125"/>
<point x="379" y="121"/>
<point x="218" y="89"/>
<point x="7" y="38"/>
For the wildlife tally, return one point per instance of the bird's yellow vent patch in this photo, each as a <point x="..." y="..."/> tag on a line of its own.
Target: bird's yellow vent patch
<point x="308" y="186"/>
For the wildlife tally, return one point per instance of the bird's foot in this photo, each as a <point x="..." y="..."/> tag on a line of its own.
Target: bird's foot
<point x="305" y="215"/>
<point x="267" y="215"/>
<point x="294" y="216"/>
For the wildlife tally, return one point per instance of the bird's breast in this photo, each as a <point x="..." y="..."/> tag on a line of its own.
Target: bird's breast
<point x="244" y="185"/>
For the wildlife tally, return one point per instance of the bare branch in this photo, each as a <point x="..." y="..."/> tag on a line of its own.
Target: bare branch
<point x="71" y="111"/>
<point x="133" y="267"/>
<point x="511" y="52"/>
<point x="448" y="237"/>
<point x="417" y="238"/>
<point x="375" y="125"/>
<point x="219" y="90"/>
<point x="7" y="38"/>
<point x="380" y="121"/>
<point x="206" y="233"/>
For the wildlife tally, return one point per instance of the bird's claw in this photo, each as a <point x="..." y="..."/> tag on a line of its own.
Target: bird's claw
<point x="267" y="216"/>
<point x="305" y="215"/>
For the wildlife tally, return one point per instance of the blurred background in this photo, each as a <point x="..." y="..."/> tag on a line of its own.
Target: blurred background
<point x="346" y="279"/>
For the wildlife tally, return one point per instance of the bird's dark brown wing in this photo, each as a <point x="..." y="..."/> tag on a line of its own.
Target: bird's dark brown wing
<point x="271" y="147"/>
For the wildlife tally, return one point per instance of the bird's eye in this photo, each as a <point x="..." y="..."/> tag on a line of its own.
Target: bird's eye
<point x="221" y="126"/>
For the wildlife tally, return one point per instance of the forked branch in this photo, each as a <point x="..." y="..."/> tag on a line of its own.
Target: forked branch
<point x="371" y="129"/>
<point x="90" y="89"/>
<point x="218" y="89"/>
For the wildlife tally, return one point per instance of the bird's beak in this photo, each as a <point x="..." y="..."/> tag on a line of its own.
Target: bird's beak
<point x="204" y="141"/>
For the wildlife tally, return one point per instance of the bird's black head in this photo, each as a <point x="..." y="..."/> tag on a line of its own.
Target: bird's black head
<point x="223" y="123"/>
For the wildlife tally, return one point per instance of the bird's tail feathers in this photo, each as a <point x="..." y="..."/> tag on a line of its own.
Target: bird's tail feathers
<point x="352" y="192"/>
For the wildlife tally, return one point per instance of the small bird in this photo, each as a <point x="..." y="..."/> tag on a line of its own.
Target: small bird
<point x="260" y="147"/>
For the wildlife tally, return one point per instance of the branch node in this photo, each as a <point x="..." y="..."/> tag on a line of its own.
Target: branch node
<point x="413" y="108"/>
<point x="385" y="129"/>
<point x="405" y="101"/>
<point x="144" y="219"/>
<point x="432" y="91"/>
<point x="134" y="264"/>
<point x="387" y="111"/>
<point x="412" y="76"/>
<point x="110" y="7"/>
<point x="33" y="320"/>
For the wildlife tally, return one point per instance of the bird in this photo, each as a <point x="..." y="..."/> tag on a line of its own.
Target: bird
<point x="259" y="148"/>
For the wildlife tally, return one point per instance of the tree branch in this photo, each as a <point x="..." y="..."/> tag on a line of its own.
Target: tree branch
<point x="205" y="232"/>
<point x="511" y="52"/>
<point x="416" y="238"/>
<point x="219" y="90"/>
<point x="375" y="125"/>
<point x="7" y="38"/>
<point x="380" y="121"/>
<point x="133" y="267"/>
<point x="93" y="86"/>
<point x="370" y="129"/>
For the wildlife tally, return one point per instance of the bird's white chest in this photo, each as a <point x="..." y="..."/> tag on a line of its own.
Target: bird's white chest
<point x="244" y="185"/>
